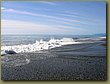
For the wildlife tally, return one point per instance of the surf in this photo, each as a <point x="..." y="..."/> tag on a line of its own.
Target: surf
<point x="44" y="45"/>
<point x="37" y="46"/>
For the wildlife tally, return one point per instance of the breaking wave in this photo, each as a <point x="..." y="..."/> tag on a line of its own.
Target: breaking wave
<point x="44" y="45"/>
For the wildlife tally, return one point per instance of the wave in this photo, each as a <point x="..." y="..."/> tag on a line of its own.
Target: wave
<point x="37" y="46"/>
<point x="92" y="39"/>
<point x="42" y="45"/>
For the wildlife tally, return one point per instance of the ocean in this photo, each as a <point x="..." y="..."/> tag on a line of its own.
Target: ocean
<point x="29" y="39"/>
<point x="83" y="61"/>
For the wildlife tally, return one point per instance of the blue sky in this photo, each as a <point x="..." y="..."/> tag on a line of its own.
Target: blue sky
<point x="41" y="17"/>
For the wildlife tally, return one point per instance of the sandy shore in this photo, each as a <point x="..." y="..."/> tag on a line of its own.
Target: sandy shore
<point x="58" y="64"/>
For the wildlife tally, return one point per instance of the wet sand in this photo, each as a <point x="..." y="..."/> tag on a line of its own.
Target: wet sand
<point x="73" y="62"/>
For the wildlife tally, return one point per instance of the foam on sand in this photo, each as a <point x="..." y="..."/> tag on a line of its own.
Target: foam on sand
<point x="7" y="61"/>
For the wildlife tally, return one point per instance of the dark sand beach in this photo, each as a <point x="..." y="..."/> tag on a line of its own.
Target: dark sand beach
<point x="71" y="62"/>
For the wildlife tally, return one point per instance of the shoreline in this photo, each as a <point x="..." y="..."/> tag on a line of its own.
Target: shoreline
<point x="72" y="62"/>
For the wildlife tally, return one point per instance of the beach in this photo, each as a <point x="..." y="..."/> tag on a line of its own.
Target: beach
<point x="70" y="62"/>
<point x="47" y="40"/>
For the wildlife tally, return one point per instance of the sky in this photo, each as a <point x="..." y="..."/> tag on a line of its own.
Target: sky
<point x="42" y="17"/>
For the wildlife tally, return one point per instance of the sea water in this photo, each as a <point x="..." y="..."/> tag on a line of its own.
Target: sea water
<point x="30" y="43"/>
<point x="9" y="40"/>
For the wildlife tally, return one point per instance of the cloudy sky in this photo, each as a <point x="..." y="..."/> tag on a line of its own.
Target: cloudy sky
<point x="43" y="17"/>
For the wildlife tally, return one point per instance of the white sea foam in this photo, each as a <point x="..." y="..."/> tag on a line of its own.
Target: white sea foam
<point x="102" y="37"/>
<point x="38" y="45"/>
<point x="92" y="39"/>
<point x="11" y="62"/>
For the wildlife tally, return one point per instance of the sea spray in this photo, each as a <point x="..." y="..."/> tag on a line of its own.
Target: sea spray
<point x="39" y="45"/>
<point x="45" y="45"/>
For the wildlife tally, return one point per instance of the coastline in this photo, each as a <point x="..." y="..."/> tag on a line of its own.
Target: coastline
<point x="62" y="63"/>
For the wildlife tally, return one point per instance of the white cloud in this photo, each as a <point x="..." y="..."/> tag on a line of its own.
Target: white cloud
<point x="70" y="28"/>
<point x="50" y="18"/>
<point x="24" y="25"/>
<point x="47" y="2"/>
<point x="46" y="16"/>
<point x="14" y="26"/>
<point x="86" y="20"/>
<point x="2" y="8"/>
